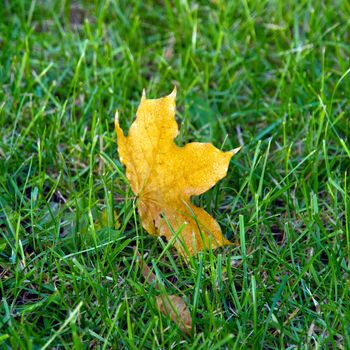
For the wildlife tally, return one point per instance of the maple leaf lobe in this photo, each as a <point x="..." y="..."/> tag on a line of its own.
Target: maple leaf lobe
<point x="164" y="176"/>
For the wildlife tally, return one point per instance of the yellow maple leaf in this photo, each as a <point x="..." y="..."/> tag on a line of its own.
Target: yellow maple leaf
<point x="164" y="176"/>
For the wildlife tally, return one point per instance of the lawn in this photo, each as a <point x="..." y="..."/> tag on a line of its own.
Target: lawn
<point x="270" y="76"/>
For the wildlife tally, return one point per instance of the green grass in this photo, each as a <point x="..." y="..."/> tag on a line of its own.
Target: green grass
<point x="272" y="75"/>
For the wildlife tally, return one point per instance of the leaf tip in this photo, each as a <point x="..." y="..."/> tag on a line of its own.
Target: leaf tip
<point x="143" y="97"/>
<point x="173" y="93"/>
<point x="116" y="121"/>
<point x="235" y="150"/>
<point x="116" y="118"/>
<point x="118" y="129"/>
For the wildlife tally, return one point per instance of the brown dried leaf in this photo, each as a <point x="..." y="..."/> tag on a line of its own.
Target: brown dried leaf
<point x="175" y="308"/>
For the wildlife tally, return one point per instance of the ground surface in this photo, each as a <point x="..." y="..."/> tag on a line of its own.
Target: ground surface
<point x="269" y="75"/>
